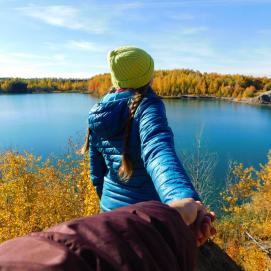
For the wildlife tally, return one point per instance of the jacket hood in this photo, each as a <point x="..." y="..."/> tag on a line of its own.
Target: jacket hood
<point x="108" y="117"/>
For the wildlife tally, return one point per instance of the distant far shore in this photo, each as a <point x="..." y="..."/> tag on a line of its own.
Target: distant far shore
<point x="168" y="84"/>
<point x="259" y="100"/>
<point x="44" y="92"/>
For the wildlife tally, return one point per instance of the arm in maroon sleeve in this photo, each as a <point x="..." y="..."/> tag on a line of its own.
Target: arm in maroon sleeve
<point x="144" y="236"/>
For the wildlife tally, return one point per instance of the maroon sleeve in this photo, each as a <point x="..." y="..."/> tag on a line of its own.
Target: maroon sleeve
<point x="144" y="236"/>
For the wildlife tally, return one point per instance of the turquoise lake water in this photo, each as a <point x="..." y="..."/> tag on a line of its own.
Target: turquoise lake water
<point x="43" y="123"/>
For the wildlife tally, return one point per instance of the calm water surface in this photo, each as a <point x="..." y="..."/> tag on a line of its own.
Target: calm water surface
<point x="43" y="123"/>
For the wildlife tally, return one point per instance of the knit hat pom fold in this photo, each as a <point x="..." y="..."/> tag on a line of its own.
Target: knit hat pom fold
<point x="130" y="67"/>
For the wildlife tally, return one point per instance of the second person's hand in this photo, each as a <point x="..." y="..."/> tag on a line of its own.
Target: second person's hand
<point x="195" y="215"/>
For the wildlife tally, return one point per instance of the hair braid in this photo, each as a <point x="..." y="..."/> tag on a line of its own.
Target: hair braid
<point x="85" y="148"/>
<point x="126" y="168"/>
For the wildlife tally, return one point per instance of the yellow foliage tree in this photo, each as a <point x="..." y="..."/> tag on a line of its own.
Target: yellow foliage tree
<point x="174" y="83"/>
<point x="35" y="195"/>
<point x="248" y="214"/>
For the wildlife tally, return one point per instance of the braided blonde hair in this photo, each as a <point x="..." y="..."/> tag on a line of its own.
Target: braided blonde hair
<point x="126" y="168"/>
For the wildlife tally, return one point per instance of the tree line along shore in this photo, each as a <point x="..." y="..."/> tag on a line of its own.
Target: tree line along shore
<point x="167" y="84"/>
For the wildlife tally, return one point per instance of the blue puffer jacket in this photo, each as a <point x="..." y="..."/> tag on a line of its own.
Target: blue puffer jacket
<point x="158" y="173"/>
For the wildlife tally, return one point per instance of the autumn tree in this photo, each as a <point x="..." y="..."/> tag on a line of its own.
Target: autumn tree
<point x="36" y="194"/>
<point x="15" y="86"/>
<point x="244" y="230"/>
<point x="174" y="83"/>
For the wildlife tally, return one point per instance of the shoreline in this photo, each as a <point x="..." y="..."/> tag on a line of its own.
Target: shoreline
<point x="249" y="101"/>
<point x="45" y="92"/>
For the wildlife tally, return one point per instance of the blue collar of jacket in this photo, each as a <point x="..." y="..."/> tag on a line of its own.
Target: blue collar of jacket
<point x="110" y="97"/>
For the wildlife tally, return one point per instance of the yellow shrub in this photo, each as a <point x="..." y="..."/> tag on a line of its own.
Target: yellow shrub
<point x="247" y="209"/>
<point x="35" y="195"/>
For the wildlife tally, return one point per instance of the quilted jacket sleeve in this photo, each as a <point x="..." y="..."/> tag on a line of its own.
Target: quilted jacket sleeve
<point x="97" y="168"/>
<point x="158" y="153"/>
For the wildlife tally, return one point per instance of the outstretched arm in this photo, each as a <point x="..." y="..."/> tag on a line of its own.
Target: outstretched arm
<point x="159" y="156"/>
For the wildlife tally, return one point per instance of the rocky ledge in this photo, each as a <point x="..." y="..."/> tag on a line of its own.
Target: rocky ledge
<point x="263" y="98"/>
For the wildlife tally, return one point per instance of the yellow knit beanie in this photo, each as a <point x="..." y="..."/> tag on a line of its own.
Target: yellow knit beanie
<point x="130" y="67"/>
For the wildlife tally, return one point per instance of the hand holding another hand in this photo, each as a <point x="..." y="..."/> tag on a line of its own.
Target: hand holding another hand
<point x="195" y="215"/>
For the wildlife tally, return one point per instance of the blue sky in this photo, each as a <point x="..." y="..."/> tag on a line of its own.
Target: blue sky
<point x="71" y="38"/>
